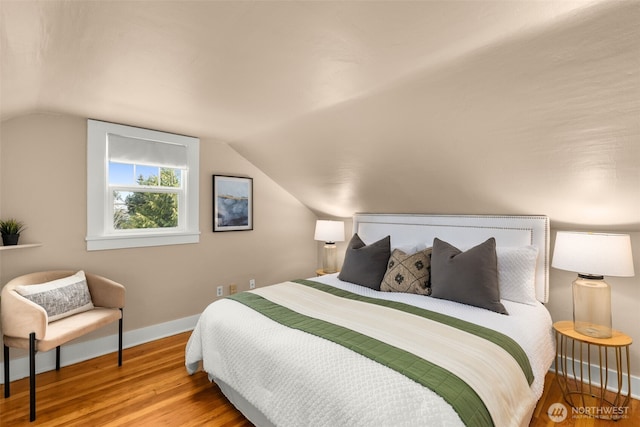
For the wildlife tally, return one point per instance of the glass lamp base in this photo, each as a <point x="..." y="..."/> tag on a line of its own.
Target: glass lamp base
<point x="591" y="330"/>
<point x="330" y="258"/>
<point x="592" y="307"/>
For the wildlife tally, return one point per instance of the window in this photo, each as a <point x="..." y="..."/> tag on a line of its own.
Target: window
<point x="142" y="187"/>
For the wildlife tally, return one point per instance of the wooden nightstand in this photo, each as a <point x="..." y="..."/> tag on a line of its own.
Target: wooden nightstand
<point x="586" y="389"/>
<point x="320" y="272"/>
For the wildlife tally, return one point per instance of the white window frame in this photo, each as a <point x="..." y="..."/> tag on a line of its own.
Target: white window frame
<point x="100" y="232"/>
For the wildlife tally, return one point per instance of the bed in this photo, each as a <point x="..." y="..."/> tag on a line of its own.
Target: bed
<point x="330" y="352"/>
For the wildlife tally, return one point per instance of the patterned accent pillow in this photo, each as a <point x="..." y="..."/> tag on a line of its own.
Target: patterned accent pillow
<point x="409" y="273"/>
<point x="60" y="298"/>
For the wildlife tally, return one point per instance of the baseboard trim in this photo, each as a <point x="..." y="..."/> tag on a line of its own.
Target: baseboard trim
<point x="85" y="350"/>
<point x="611" y="385"/>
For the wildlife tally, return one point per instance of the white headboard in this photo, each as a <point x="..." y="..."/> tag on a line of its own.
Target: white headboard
<point x="463" y="230"/>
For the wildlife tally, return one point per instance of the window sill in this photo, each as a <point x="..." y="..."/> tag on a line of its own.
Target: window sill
<point x="100" y="243"/>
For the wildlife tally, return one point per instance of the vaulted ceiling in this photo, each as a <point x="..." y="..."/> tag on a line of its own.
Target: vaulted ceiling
<point x="436" y="106"/>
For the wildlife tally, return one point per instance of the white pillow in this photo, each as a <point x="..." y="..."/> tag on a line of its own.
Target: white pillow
<point x="407" y="249"/>
<point x="517" y="273"/>
<point x="60" y="298"/>
<point x="410" y="249"/>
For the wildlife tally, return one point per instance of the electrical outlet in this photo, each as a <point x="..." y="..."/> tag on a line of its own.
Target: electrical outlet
<point x="252" y="283"/>
<point x="219" y="291"/>
<point x="233" y="289"/>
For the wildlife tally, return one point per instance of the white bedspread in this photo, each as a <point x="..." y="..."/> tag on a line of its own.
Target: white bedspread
<point x="297" y="379"/>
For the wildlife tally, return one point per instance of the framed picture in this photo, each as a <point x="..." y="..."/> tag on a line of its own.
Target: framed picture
<point x="232" y="203"/>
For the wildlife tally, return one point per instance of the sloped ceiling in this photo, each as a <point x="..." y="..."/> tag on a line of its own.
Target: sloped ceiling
<point x="439" y="106"/>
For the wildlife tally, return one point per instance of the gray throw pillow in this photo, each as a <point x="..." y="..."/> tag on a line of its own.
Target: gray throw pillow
<point x="469" y="277"/>
<point x="365" y="265"/>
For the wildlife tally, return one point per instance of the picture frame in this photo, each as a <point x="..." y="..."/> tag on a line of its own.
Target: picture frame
<point x="232" y="203"/>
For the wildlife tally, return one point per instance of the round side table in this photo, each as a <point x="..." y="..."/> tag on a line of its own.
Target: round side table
<point x="586" y="365"/>
<point x="321" y="272"/>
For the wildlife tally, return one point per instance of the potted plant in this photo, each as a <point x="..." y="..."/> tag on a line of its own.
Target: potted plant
<point x="10" y="230"/>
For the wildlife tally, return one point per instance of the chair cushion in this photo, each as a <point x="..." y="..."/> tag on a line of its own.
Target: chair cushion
<point x="60" y="298"/>
<point x="67" y="329"/>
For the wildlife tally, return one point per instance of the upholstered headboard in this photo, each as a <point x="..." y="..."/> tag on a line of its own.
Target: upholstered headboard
<point x="463" y="231"/>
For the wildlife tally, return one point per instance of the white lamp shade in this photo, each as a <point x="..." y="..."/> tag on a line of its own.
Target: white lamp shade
<point x="329" y="231"/>
<point x="596" y="254"/>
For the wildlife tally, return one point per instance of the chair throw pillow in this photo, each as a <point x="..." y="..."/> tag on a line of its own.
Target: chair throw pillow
<point x="469" y="277"/>
<point x="408" y="273"/>
<point x="365" y="265"/>
<point x="60" y="298"/>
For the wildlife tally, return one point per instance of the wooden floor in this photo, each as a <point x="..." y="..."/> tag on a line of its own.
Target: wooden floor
<point x="152" y="388"/>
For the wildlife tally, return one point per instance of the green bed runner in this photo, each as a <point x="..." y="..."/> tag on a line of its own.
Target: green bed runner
<point x="452" y="389"/>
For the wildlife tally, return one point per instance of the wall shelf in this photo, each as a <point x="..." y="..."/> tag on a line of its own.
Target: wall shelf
<point x="21" y="246"/>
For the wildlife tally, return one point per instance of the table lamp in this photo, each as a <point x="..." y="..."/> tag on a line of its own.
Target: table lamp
<point x="593" y="256"/>
<point x="329" y="232"/>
